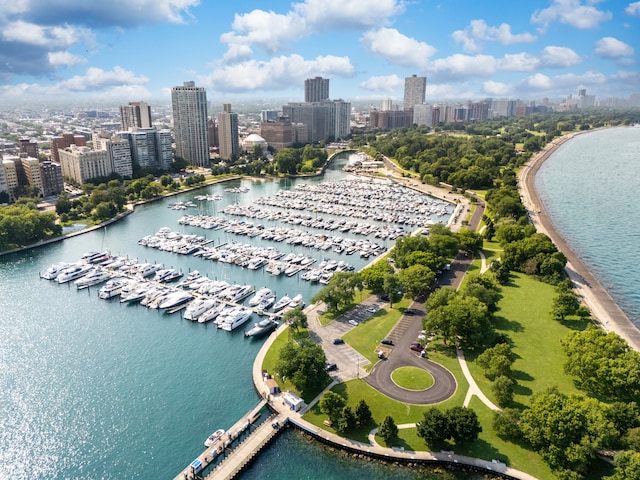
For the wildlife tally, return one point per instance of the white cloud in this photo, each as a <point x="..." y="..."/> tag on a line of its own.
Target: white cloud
<point x="497" y="89"/>
<point x="570" y="12"/>
<point x="633" y="9"/>
<point x="65" y="59"/>
<point x="273" y="32"/>
<point x="97" y="79"/>
<point x="559" y="57"/>
<point x="519" y="62"/>
<point x="396" y="48"/>
<point x="387" y="83"/>
<point x="478" y="31"/>
<point x="267" y="30"/>
<point x="609" y="47"/>
<point x="332" y="14"/>
<point x="53" y="37"/>
<point x="566" y="82"/>
<point x="464" y="66"/>
<point x="276" y="74"/>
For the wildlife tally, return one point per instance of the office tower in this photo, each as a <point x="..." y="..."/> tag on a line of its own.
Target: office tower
<point x="387" y="104"/>
<point x="269" y="115"/>
<point x="190" y="123"/>
<point x="414" y="91"/>
<point x="312" y="115"/>
<point x="316" y="89"/>
<point x="228" y="133"/>
<point x="136" y="114"/>
<point x="278" y="133"/>
<point x="338" y="119"/>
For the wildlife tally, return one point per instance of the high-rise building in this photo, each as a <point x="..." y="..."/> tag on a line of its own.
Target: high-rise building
<point x="136" y="114"/>
<point x="52" y="182"/>
<point x="278" y="133"/>
<point x="422" y="115"/>
<point x="338" y="119"/>
<point x="228" y="133"/>
<point x="316" y="89"/>
<point x="29" y="147"/>
<point x="9" y="177"/>
<point x="414" y="91"/>
<point x="190" y="123"/>
<point x="83" y="164"/>
<point x="119" y="151"/>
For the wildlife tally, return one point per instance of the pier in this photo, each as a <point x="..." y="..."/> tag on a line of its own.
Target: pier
<point x="236" y="448"/>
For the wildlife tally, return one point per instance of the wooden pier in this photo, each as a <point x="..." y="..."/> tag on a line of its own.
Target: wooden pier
<point x="232" y="458"/>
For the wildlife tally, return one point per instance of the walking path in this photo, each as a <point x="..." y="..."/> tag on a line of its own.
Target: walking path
<point x="588" y="288"/>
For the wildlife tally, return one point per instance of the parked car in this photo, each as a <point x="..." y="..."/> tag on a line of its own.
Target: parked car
<point x="338" y="341"/>
<point x="353" y="322"/>
<point x="416" y="347"/>
<point x="386" y="341"/>
<point x="331" y="366"/>
<point x="380" y="354"/>
<point x="372" y="309"/>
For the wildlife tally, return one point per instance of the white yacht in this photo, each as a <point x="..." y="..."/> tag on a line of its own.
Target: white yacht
<point x="264" y="304"/>
<point x="255" y="263"/>
<point x="148" y="269"/>
<point x="260" y="295"/>
<point x="166" y="275"/>
<point x="175" y="299"/>
<point x="212" y="313"/>
<point x="112" y="288"/>
<point x="280" y="304"/>
<point x="295" y="302"/>
<point x="243" y="292"/>
<point x="93" y="278"/>
<point x="240" y="317"/>
<point x="135" y="294"/>
<point x="261" y="328"/>
<point x="196" y="308"/>
<point x="54" y="270"/>
<point x="73" y="273"/>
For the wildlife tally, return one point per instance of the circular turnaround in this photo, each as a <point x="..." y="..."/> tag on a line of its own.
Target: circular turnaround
<point x="412" y="378"/>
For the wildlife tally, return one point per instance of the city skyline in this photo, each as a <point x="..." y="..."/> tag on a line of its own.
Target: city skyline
<point x="139" y="49"/>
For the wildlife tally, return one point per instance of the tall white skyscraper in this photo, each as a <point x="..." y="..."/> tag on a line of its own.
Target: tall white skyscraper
<point x="190" y="123"/>
<point x="414" y="91"/>
<point x="135" y="114"/>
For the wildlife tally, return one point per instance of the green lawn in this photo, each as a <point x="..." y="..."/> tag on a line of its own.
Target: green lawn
<point x="412" y="378"/>
<point x="328" y="317"/>
<point x="366" y="337"/>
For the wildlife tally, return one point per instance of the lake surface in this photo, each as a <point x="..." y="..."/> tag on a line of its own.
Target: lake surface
<point x="589" y="187"/>
<point x="95" y="389"/>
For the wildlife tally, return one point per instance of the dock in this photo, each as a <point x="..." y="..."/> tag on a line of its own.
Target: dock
<point x="236" y="448"/>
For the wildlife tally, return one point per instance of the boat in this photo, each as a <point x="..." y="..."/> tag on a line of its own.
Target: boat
<point x="96" y="257"/>
<point x="295" y="302"/>
<point x="274" y="268"/>
<point x="262" y="307"/>
<point x="93" y="278"/>
<point x="280" y="304"/>
<point x="260" y="295"/>
<point x="148" y="268"/>
<point x="214" y="437"/>
<point x="196" y="308"/>
<point x="255" y="263"/>
<point x="261" y="328"/>
<point x="112" y="288"/>
<point x="212" y="313"/>
<point x="54" y="270"/>
<point x="192" y="277"/>
<point x="175" y="299"/>
<point x="241" y="293"/>
<point x="239" y="317"/>
<point x="136" y="294"/>
<point x="73" y="273"/>
<point x="166" y="275"/>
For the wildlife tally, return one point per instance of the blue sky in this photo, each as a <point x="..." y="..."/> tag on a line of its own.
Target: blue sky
<point x="468" y="49"/>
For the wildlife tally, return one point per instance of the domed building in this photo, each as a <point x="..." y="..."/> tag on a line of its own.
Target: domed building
<point x="252" y="140"/>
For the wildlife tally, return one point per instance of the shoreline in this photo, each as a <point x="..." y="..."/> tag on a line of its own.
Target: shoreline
<point x="603" y="307"/>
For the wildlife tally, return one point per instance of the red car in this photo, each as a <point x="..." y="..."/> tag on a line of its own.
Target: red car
<point x="416" y="347"/>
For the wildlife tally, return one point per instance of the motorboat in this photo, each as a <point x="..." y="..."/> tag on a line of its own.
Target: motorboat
<point x="185" y="282"/>
<point x="295" y="302"/>
<point x="212" y="313"/>
<point x="112" y="288"/>
<point x="280" y="304"/>
<point x="96" y="257"/>
<point x="261" y="328"/>
<point x="264" y="304"/>
<point x="73" y="273"/>
<point x="243" y="292"/>
<point x="196" y="308"/>
<point x="214" y="437"/>
<point x="260" y="295"/>
<point x="167" y="275"/>
<point x="136" y="294"/>
<point x="175" y="299"/>
<point x="239" y="317"/>
<point x="54" y="270"/>
<point x="153" y="296"/>
<point x="93" y="278"/>
<point x="255" y="263"/>
<point x="147" y="269"/>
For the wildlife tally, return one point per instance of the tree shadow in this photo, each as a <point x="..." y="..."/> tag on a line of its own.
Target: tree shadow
<point x="502" y="323"/>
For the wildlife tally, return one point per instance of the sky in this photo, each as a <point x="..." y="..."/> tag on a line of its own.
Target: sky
<point x="468" y="49"/>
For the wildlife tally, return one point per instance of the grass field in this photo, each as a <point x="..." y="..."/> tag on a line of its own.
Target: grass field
<point x="412" y="378"/>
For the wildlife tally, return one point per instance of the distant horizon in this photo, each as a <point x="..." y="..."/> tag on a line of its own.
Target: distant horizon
<point x="129" y="50"/>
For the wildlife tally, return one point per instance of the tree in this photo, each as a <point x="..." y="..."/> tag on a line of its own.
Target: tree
<point x="463" y="424"/>
<point x="416" y="279"/>
<point x="332" y="404"/>
<point x="363" y="414"/>
<point x="469" y="241"/>
<point x="391" y="287"/>
<point x="496" y="361"/>
<point x="502" y="388"/>
<point x="627" y="466"/>
<point x="388" y="430"/>
<point x="295" y="318"/>
<point x="303" y="364"/>
<point x="339" y="292"/>
<point x="347" y="420"/>
<point x="433" y="428"/>
<point x="373" y="276"/>
<point x="565" y="303"/>
<point x="506" y="423"/>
